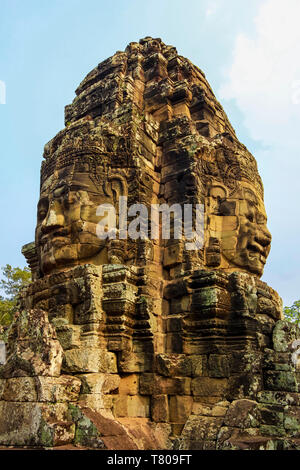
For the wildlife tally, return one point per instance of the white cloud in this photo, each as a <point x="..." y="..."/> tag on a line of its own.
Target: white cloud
<point x="264" y="81"/>
<point x="264" y="77"/>
<point x="211" y="9"/>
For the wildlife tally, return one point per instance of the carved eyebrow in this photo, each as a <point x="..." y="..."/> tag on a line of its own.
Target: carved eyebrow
<point x="71" y="186"/>
<point x="86" y="188"/>
<point x="78" y="187"/>
<point x="250" y="196"/>
<point x="60" y="184"/>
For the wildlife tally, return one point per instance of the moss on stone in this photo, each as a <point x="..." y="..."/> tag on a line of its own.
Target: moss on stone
<point x="46" y="434"/>
<point x="86" y="433"/>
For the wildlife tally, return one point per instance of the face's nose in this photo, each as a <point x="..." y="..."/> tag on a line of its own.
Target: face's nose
<point x="263" y="237"/>
<point x="54" y="219"/>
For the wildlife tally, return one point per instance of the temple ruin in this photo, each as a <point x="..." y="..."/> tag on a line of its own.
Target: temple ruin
<point x="143" y="343"/>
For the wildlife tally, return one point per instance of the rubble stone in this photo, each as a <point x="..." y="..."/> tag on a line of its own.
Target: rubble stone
<point x="149" y="342"/>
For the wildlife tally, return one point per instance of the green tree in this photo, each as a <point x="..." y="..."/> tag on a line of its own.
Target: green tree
<point x="14" y="279"/>
<point x="292" y="313"/>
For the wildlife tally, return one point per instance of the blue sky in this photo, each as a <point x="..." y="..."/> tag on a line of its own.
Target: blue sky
<point x="249" y="52"/>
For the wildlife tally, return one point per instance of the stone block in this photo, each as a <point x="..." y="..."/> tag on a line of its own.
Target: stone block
<point x="278" y="398"/>
<point x="180" y="305"/>
<point x="210" y="297"/>
<point x="129" y="385"/>
<point x="176" y="289"/>
<point x="274" y="360"/>
<point x="151" y="384"/>
<point x="291" y="421"/>
<point x="248" y="439"/>
<point x="96" y="401"/>
<point x="132" y="406"/>
<point x="58" y="389"/>
<point x="119" y="291"/>
<point x="33" y="347"/>
<point x="270" y="414"/>
<point x="89" y="360"/>
<point x="281" y="380"/>
<point x="160" y="408"/>
<point x="135" y="362"/>
<point x="173" y="324"/>
<point x="35" y="424"/>
<point x="284" y="334"/>
<point x="272" y="431"/>
<point x="208" y="386"/>
<point x="174" y="343"/>
<point x="21" y="389"/>
<point x="245" y="385"/>
<point x="96" y="383"/>
<point x="69" y="336"/>
<point x="180" y="408"/>
<point x="242" y="362"/>
<point x="173" y="365"/>
<point x="173" y="255"/>
<point x="199" y="365"/>
<point x="218" y="409"/>
<point x="242" y="414"/>
<point x="86" y="432"/>
<point x="60" y="433"/>
<point x="218" y="365"/>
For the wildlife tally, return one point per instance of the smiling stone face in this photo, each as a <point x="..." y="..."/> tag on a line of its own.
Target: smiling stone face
<point x="237" y="228"/>
<point x="66" y="221"/>
<point x="253" y="239"/>
<point x="148" y="127"/>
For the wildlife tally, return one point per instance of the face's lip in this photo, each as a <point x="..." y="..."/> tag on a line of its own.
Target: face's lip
<point x="55" y="242"/>
<point x="57" y="235"/>
<point x="256" y="248"/>
<point x="256" y="257"/>
<point x="256" y="253"/>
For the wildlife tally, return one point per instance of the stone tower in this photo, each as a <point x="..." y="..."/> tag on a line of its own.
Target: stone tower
<point x="149" y="342"/>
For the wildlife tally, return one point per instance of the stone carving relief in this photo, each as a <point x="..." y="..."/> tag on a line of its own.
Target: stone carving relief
<point x="142" y="342"/>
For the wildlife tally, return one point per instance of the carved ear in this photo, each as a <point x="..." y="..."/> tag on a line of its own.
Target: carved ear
<point x="250" y="196"/>
<point x="217" y="194"/>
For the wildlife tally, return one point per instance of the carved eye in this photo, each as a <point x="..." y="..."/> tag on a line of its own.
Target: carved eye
<point x="261" y="219"/>
<point x="61" y="191"/>
<point x="250" y="217"/>
<point x="72" y="198"/>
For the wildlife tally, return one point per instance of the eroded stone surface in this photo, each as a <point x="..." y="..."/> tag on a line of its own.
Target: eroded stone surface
<point x="32" y="347"/>
<point x="142" y="343"/>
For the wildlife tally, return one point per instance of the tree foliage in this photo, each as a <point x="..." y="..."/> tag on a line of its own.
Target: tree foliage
<point x="292" y="313"/>
<point x="14" y="279"/>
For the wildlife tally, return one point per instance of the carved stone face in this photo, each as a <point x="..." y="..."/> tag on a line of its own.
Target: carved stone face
<point x="66" y="221"/>
<point x="237" y="224"/>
